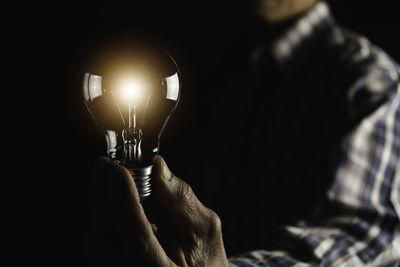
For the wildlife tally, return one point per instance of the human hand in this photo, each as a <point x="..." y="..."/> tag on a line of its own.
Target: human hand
<point x="195" y="237"/>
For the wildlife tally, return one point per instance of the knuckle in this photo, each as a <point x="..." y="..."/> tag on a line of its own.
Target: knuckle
<point x="184" y="192"/>
<point x="214" y="221"/>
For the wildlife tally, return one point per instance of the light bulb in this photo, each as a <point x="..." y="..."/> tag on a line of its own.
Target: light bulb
<point x="131" y="93"/>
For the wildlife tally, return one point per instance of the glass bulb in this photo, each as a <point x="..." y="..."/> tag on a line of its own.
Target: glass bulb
<point x="131" y="92"/>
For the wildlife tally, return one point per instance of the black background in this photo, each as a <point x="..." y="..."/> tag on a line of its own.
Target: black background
<point x="48" y="45"/>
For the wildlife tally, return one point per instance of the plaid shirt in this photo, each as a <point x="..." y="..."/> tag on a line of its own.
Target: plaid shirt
<point x="361" y="224"/>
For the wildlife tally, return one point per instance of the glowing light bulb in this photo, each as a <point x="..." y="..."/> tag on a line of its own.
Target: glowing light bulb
<point x="131" y="93"/>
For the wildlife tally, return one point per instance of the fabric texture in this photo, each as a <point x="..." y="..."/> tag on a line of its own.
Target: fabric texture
<point x="359" y="222"/>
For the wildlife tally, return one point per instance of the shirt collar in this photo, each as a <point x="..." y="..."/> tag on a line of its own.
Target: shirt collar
<point x="319" y="17"/>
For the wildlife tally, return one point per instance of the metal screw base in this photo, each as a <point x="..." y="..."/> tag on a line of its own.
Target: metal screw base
<point x="142" y="181"/>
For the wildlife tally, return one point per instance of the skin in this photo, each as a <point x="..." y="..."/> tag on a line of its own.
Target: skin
<point x="275" y="11"/>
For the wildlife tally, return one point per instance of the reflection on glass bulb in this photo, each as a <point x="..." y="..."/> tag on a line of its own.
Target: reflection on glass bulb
<point x="131" y="93"/>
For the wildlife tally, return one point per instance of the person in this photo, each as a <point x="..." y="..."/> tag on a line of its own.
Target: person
<point x="332" y="152"/>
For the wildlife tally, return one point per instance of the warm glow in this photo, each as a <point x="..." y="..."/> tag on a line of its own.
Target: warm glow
<point x="131" y="88"/>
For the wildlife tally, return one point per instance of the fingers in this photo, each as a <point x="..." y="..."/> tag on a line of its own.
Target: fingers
<point x="132" y="221"/>
<point x="176" y="253"/>
<point x="178" y="199"/>
<point x="199" y="228"/>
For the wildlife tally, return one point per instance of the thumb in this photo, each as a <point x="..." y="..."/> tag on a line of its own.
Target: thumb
<point x="199" y="228"/>
<point x="177" y="197"/>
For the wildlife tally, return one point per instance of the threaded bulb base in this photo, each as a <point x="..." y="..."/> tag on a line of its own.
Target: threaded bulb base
<point x="143" y="181"/>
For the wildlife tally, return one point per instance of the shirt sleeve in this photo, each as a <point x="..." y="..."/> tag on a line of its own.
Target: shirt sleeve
<point x="360" y="224"/>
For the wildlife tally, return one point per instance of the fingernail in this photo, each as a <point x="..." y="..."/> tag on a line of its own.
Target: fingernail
<point x="165" y="172"/>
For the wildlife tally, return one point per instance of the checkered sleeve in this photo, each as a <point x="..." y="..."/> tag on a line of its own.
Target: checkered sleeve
<point x="361" y="225"/>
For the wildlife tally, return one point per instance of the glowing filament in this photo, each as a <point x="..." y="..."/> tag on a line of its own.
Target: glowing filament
<point x="131" y="89"/>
